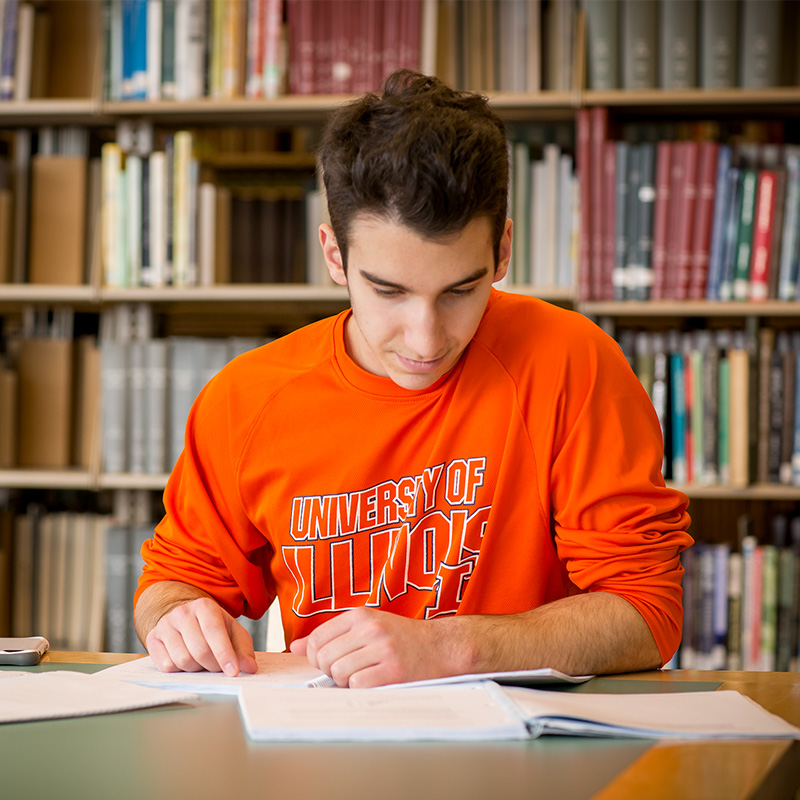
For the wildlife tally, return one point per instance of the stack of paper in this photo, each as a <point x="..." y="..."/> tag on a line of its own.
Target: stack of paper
<point x="52" y="695"/>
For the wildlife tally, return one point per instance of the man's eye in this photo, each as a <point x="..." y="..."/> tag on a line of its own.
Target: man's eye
<point x="385" y="292"/>
<point x="463" y="292"/>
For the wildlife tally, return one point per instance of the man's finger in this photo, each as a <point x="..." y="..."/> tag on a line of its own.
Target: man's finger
<point x="243" y="645"/>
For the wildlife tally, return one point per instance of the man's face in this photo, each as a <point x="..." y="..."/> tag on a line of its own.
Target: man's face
<point x="416" y="302"/>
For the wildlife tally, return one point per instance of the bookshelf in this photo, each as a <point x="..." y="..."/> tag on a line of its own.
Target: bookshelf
<point x="250" y="309"/>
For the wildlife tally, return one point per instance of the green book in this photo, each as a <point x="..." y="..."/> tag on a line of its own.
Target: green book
<point x="724" y="421"/>
<point x="744" y="238"/>
<point x="769" y="607"/>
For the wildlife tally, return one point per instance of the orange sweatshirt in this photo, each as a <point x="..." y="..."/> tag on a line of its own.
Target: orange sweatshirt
<point x="528" y="473"/>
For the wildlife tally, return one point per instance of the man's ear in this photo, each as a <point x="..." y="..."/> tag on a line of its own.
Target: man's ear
<point x="504" y="253"/>
<point x="332" y="254"/>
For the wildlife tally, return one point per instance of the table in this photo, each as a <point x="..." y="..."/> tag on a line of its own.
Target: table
<point x="203" y="752"/>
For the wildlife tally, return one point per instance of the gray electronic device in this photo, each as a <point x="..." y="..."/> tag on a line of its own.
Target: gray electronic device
<point x="22" y="651"/>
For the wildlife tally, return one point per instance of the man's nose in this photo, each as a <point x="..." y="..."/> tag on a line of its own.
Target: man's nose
<point x="425" y="332"/>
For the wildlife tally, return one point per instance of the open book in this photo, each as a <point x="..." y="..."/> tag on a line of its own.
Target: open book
<point x="288" y="669"/>
<point x="484" y="711"/>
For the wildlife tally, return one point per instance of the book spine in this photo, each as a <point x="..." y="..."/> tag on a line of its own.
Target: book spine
<point x="661" y="217"/>
<point x="602" y="42"/>
<point x="9" y="51"/>
<point x="678" y="396"/>
<point x="584" y="162"/>
<point x="632" y="260"/>
<point x="701" y="243"/>
<point x="769" y="608"/>
<point x="760" y="51"/>
<point x="639" y="41"/>
<point x="716" y="245"/>
<point x="787" y="624"/>
<point x="621" y="195"/>
<point x="256" y="9"/>
<point x="677" y="44"/>
<point x="790" y="243"/>
<point x="599" y="117"/>
<point x="168" y="85"/>
<point x="155" y="24"/>
<point x="789" y="357"/>
<point x="721" y="556"/>
<point x="730" y="233"/>
<point x="744" y="236"/>
<point x="735" y="611"/>
<point x="612" y="216"/>
<point x="274" y="49"/>
<point x="719" y="43"/>
<point x="763" y="219"/>
<point x="686" y="217"/>
<point x="643" y="280"/>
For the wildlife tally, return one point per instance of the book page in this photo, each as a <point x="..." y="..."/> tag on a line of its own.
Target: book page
<point x="470" y="711"/>
<point x="725" y="714"/>
<point x="52" y="695"/>
<point x="520" y="677"/>
<point x="274" y="669"/>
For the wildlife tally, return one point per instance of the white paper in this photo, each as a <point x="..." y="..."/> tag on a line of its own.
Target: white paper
<point x="274" y="669"/>
<point x="28" y="696"/>
<point x="521" y="677"/>
<point x="684" y="715"/>
<point x="465" y="712"/>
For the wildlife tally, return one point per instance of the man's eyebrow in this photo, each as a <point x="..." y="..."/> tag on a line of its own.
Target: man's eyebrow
<point x="474" y="276"/>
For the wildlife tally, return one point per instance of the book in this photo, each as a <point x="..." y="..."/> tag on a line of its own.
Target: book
<point x="760" y="43"/>
<point x="661" y="217"/>
<point x="790" y="242"/>
<point x="45" y="402"/>
<point x="58" y="219"/>
<point x="721" y="200"/>
<point x="744" y="235"/>
<point x="763" y="234"/>
<point x="484" y="711"/>
<point x="719" y="44"/>
<point x="602" y="44"/>
<point x="707" y="169"/>
<point x="677" y="44"/>
<point x="639" y="42"/>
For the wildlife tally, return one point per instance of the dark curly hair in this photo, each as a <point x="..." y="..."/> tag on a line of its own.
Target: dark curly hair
<point x="420" y="154"/>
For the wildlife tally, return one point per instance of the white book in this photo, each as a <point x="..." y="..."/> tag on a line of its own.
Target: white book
<point x="539" y="224"/>
<point x="158" y="218"/>
<point x="114" y="403"/>
<point x="465" y="712"/>
<point x="133" y="185"/>
<point x="155" y="379"/>
<point x="206" y="234"/>
<point x="154" y="34"/>
<point x="138" y="420"/>
<point x="118" y="594"/>
<point x="675" y="715"/>
<point x="24" y="56"/>
<point x="111" y="169"/>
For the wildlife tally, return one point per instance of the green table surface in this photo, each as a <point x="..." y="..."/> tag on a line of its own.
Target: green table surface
<point x="203" y="752"/>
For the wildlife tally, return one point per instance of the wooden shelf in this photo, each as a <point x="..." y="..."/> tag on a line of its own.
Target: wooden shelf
<point x="127" y="480"/>
<point x="756" y="491"/>
<point x="689" y="308"/>
<point x="53" y="112"/>
<point x="46" y="479"/>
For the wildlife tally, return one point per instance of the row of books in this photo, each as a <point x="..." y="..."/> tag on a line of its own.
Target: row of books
<point x="742" y="604"/>
<point x="185" y="49"/>
<point x="164" y="225"/>
<point x="727" y="402"/>
<point x="543" y="202"/>
<point x="686" y="219"/>
<point x="49" y="394"/>
<point x="148" y="385"/>
<point x="70" y="576"/>
<point x="686" y="44"/>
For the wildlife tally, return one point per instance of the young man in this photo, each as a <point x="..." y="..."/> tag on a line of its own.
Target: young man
<point x="443" y="479"/>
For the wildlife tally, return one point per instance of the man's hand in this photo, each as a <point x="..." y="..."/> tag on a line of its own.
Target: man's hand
<point x="366" y="647"/>
<point x="194" y="634"/>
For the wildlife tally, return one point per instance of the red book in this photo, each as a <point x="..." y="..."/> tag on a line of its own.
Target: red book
<point x="300" y="17"/>
<point x="609" y="218"/>
<point x="701" y="241"/>
<point x="661" y="215"/>
<point x="599" y="136"/>
<point x="583" y="164"/>
<point x="687" y="206"/>
<point x="761" y="255"/>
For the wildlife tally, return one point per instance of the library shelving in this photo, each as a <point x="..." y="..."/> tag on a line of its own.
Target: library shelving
<point x="250" y="309"/>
